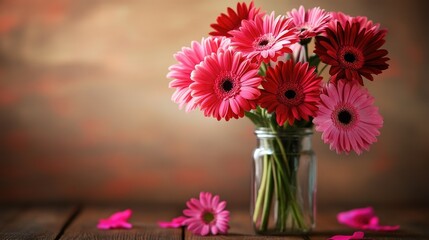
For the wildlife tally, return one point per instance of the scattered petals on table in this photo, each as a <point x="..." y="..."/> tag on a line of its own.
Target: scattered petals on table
<point x="118" y="220"/>
<point x="363" y="218"/>
<point x="355" y="236"/>
<point x="174" y="223"/>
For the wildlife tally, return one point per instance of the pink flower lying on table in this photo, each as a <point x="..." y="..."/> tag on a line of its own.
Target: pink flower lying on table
<point x="204" y="216"/>
<point x="363" y="218"/>
<point x="116" y="221"/>
<point x="355" y="236"/>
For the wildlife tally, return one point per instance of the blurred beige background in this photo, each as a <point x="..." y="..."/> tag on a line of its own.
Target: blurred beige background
<point x="86" y="115"/>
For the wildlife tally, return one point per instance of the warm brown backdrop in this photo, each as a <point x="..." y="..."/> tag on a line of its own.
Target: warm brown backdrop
<point x="85" y="111"/>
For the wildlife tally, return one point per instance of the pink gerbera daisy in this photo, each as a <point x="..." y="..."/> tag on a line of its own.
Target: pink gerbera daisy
<point x="206" y="215"/>
<point x="232" y="20"/>
<point x="187" y="59"/>
<point x="265" y="39"/>
<point x="309" y="23"/>
<point x="226" y="85"/>
<point x="347" y="118"/>
<point x="352" y="51"/>
<point x="362" y="20"/>
<point x="291" y="90"/>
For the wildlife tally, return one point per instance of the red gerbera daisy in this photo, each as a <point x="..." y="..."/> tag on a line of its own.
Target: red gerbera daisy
<point x="188" y="58"/>
<point x="291" y="90"/>
<point x="226" y="85"/>
<point x="347" y="117"/>
<point x="265" y="38"/>
<point x="232" y="20"/>
<point x="352" y="51"/>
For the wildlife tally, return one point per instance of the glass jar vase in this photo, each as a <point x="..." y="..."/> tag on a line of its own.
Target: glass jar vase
<point x="283" y="195"/>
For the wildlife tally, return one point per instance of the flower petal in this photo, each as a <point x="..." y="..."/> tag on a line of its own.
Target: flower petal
<point x="363" y="218"/>
<point x="174" y="223"/>
<point x="355" y="236"/>
<point x="116" y="221"/>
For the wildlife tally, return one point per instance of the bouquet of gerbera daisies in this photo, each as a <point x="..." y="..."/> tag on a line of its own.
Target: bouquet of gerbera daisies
<point x="259" y="65"/>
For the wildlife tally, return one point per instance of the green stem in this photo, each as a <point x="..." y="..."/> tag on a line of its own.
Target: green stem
<point x="286" y="190"/>
<point x="261" y="189"/>
<point x="282" y="151"/>
<point x="321" y="70"/>
<point x="267" y="198"/>
<point x="281" y="198"/>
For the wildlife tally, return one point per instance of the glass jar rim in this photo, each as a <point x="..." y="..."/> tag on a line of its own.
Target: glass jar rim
<point x="288" y="132"/>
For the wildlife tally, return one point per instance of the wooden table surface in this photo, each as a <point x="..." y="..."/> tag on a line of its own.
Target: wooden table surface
<point x="79" y="222"/>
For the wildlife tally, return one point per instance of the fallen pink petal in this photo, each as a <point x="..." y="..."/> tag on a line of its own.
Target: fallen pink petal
<point x="174" y="223"/>
<point x="363" y="218"/>
<point x="355" y="236"/>
<point x="118" y="220"/>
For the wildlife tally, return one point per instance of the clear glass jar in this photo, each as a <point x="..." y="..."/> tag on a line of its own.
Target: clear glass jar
<point x="283" y="196"/>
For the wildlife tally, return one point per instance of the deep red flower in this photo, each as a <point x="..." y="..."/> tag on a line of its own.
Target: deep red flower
<point x="291" y="90"/>
<point x="352" y="51"/>
<point x="232" y="19"/>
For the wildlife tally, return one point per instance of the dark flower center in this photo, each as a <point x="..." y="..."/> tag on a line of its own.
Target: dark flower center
<point x="344" y="117"/>
<point x="227" y="85"/>
<point x="289" y="94"/>
<point x="208" y="217"/>
<point x="349" y="57"/>
<point x="263" y="43"/>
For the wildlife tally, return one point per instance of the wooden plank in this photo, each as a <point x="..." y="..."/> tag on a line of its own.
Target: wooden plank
<point x="8" y="213"/>
<point x="36" y="223"/>
<point x="414" y="224"/>
<point x="240" y="228"/>
<point x="379" y="236"/>
<point x="327" y="224"/>
<point x="64" y="223"/>
<point x="412" y="220"/>
<point x="144" y="222"/>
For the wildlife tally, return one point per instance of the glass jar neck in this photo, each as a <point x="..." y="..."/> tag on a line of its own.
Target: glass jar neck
<point x="288" y="132"/>
<point x="300" y="136"/>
